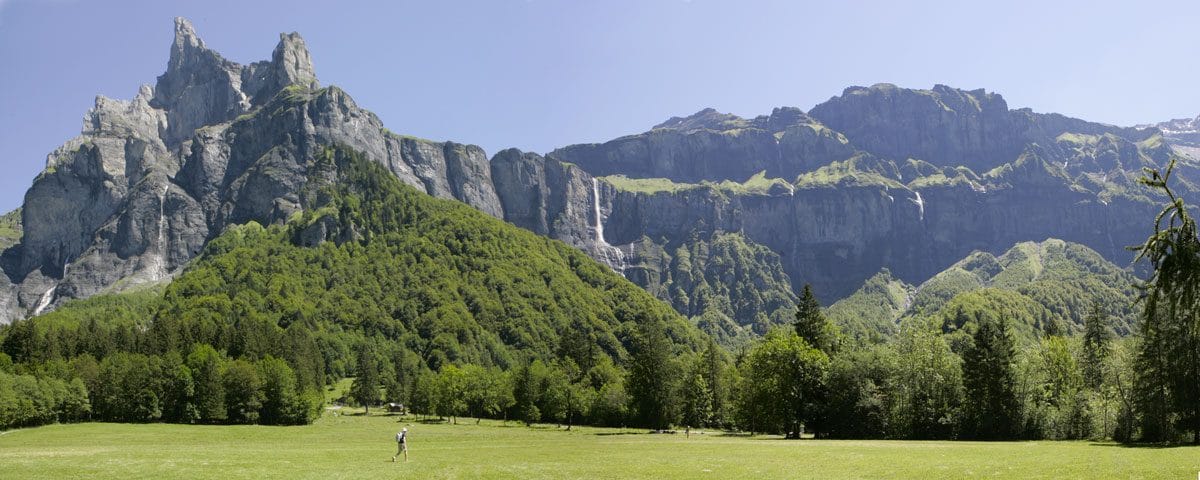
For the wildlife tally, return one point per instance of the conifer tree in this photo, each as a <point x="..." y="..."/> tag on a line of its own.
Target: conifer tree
<point x="365" y="389"/>
<point x="990" y="381"/>
<point x="1096" y="343"/>
<point x="812" y="325"/>
<point x="652" y="381"/>
<point x="1169" y="361"/>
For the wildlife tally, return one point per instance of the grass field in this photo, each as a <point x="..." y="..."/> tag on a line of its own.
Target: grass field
<point x="354" y="446"/>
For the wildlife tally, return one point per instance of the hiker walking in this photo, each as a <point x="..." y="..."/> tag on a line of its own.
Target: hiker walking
<point x="401" y="444"/>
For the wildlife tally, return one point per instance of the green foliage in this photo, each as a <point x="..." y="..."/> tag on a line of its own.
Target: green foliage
<point x="705" y="389"/>
<point x="783" y="384"/>
<point x="812" y="326"/>
<point x="989" y="381"/>
<point x="488" y="391"/>
<point x="243" y="391"/>
<point x="283" y="401"/>
<point x="450" y="387"/>
<point x="653" y="377"/>
<point x="1169" y="361"/>
<point x="1097" y="339"/>
<point x="927" y="387"/>
<point x="207" y="369"/>
<point x="731" y="287"/>
<point x="10" y="229"/>
<point x="1041" y="287"/>
<point x="1054" y="404"/>
<point x="365" y="389"/>
<point x="27" y="400"/>
<point x="871" y="313"/>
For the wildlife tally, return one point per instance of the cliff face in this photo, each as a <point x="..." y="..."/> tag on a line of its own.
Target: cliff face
<point x="214" y="143"/>
<point x="908" y="180"/>
<point x="743" y="211"/>
<point x="713" y="146"/>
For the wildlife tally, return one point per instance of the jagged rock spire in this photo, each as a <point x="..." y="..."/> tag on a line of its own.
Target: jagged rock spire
<point x="186" y="43"/>
<point x="199" y="87"/>
<point x="291" y="63"/>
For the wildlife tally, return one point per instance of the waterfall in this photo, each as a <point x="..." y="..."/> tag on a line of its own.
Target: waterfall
<point x="48" y="297"/>
<point x="607" y="253"/>
<point x="920" y="205"/>
<point x="45" y="300"/>
<point x="160" y="257"/>
<point x="599" y="226"/>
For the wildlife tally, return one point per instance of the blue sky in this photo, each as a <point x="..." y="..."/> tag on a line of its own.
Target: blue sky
<point x="541" y="74"/>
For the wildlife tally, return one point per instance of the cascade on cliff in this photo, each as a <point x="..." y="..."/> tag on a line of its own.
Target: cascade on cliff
<point x="160" y="257"/>
<point x="48" y="297"/>
<point x="920" y="205"/>
<point x="45" y="300"/>
<point x="612" y="256"/>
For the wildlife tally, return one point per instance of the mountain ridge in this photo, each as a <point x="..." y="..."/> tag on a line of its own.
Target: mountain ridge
<point x="150" y="180"/>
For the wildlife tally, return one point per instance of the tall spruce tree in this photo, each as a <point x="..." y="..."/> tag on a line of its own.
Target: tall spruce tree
<point x="1097" y="337"/>
<point x="365" y="389"/>
<point x="714" y="366"/>
<point x="1169" y="362"/>
<point x="652" y="376"/>
<point x="812" y="325"/>
<point x="989" y="379"/>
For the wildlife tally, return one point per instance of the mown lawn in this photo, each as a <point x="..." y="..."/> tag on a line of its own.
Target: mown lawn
<point x="350" y="446"/>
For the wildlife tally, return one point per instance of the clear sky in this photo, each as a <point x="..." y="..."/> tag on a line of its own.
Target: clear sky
<point x="539" y="74"/>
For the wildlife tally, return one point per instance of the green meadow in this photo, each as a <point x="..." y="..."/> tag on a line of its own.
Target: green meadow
<point x="356" y="446"/>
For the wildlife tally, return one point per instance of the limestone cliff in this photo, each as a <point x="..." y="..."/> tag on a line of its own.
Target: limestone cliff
<point x="740" y="210"/>
<point x="213" y="143"/>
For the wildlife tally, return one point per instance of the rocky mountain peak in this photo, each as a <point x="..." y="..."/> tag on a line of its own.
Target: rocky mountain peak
<point x="1183" y="133"/>
<point x="974" y="128"/>
<point x="291" y="63"/>
<point x="783" y="117"/>
<point x="709" y="119"/>
<point x="186" y="40"/>
<point x="200" y="87"/>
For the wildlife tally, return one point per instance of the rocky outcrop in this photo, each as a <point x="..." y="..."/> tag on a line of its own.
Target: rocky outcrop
<point x="1183" y="134"/>
<point x="149" y="181"/>
<point x="835" y="236"/>
<point x="947" y="126"/>
<point x="548" y="197"/>
<point x="715" y="146"/>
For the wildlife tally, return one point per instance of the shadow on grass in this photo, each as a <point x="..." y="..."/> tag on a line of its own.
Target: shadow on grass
<point x="1152" y="446"/>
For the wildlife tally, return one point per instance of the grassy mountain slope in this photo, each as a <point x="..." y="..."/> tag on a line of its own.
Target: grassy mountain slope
<point x="10" y="229"/>
<point x="870" y="314"/>
<point x="1039" y="285"/>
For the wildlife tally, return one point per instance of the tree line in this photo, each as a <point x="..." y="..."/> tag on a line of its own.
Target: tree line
<point x="456" y="327"/>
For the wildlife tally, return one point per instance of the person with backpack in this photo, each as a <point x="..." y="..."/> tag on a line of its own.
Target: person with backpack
<point x="401" y="444"/>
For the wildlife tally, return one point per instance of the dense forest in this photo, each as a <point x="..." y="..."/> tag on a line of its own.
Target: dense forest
<point x="456" y="314"/>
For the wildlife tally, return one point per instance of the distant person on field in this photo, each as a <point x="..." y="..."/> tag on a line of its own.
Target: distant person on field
<point x="401" y="444"/>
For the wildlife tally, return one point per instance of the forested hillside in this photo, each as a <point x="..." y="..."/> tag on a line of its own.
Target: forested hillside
<point x="375" y="279"/>
<point x="1044" y="287"/>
